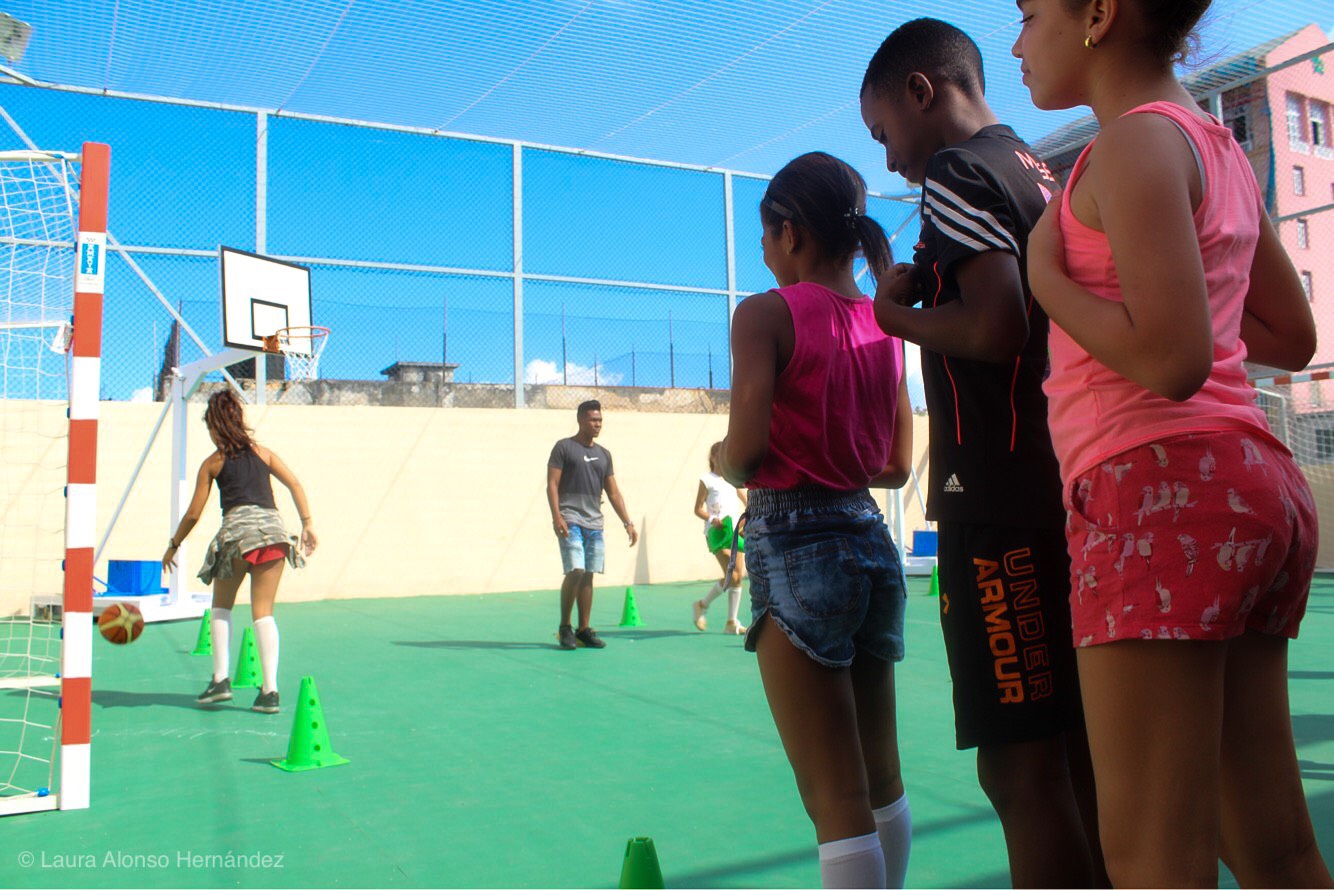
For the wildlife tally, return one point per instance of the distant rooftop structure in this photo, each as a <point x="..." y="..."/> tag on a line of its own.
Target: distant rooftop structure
<point x="420" y="372"/>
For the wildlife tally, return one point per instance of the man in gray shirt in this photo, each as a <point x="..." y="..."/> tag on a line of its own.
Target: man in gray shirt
<point x="577" y="474"/>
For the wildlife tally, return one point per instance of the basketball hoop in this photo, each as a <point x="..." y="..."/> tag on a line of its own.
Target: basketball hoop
<point x="302" y="347"/>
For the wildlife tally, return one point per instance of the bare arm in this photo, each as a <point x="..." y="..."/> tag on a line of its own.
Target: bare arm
<point x="553" y="501"/>
<point x="898" y="469"/>
<point x="284" y="475"/>
<point x="756" y="327"/>
<point x="989" y="321"/>
<point x="618" y="504"/>
<point x="700" y="496"/>
<point x="1277" y="326"/>
<point x="1160" y="335"/>
<point x="203" y="485"/>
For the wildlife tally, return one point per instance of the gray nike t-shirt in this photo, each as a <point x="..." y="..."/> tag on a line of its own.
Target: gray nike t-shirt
<point x="583" y="471"/>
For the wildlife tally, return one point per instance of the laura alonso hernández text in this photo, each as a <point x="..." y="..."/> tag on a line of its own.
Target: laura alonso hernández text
<point x="125" y="859"/>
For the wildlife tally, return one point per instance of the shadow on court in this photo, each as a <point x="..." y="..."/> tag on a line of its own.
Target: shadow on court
<point x="741" y="873"/>
<point x="474" y="644"/>
<point x="1311" y="675"/>
<point x="1313" y="769"/>
<point x="1312" y="728"/>
<point x="111" y="698"/>
<point x="648" y="634"/>
<point x="611" y="636"/>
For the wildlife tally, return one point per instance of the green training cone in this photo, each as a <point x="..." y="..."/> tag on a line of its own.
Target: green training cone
<point x="309" y="747"/>
<point x="640" y="868"/>
<point x="934" y="590"/>
<point x="630" y="614"/>
<point x="204" y="645"/>
<point x="247" y="675"/>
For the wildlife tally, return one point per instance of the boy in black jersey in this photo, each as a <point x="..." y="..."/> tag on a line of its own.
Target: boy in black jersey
<point x="995" y="490"/>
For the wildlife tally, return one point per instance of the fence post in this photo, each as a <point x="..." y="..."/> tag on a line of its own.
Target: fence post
<point x="731" y="270"/>
<point x="518" y="276"/>
<point x="262" y="234"/>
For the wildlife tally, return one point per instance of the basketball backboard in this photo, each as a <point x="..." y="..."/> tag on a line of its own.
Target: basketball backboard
<point x="260" y="295"/>
<point x="14" y="36"/>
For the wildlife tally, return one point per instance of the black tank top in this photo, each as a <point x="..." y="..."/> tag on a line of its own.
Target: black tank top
<point x="244" y="479"/>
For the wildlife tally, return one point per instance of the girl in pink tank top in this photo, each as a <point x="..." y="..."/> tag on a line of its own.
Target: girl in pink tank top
<point x="1191" y="530"/>
<point x="819" y="414"/>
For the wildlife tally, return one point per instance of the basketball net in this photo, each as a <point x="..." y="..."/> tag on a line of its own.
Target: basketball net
<point x="301" y="347"/>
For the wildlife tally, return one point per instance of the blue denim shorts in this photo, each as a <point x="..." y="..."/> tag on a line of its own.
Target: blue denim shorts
<point x="582" y="549"/>
<point x="823" y="565"/>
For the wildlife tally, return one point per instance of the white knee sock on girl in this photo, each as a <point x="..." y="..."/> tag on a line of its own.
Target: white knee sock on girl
<point x="266" y="636"/>
<point x="852" y="862"/>
<point x="220" y="628"/>
<point x="893" y="822"/>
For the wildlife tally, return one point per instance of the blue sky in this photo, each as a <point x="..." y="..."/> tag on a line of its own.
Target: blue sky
<point x="738" y="84"/>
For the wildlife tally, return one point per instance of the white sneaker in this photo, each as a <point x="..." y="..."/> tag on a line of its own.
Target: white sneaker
<point x="699" y="608"/>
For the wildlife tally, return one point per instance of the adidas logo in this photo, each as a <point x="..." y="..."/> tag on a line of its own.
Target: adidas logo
<point x="952" y="483"/>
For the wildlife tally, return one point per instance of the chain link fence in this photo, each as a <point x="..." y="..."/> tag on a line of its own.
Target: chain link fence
<point x="449" y="269"/>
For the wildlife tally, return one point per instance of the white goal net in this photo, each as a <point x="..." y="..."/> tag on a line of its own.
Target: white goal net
<point x="1301" y="414"/>
<point x="38" y="222"/>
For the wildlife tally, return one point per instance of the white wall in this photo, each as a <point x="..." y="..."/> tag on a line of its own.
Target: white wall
<point x="407" y="501"/>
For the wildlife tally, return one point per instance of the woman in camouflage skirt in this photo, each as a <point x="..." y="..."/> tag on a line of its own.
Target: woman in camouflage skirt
<point x="252" y="541"/>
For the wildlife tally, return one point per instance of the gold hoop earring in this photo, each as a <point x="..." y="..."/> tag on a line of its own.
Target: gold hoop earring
<point x="1088" y="42"/>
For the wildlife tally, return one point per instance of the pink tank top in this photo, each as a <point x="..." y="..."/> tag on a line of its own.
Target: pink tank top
<point x="1094" y="412"/>
<point x="832" y="421"/>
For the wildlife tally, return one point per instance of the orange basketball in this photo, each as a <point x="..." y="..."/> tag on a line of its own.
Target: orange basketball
<point x="121" y="623"/>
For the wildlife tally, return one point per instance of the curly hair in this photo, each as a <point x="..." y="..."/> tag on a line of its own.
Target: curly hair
<point x="226" y="422"/>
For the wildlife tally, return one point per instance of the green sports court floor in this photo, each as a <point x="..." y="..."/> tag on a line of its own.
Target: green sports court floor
<point x="483" y="756"/>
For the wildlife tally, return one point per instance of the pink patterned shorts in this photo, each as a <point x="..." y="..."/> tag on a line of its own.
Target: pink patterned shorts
<point x="1198" y="537"/>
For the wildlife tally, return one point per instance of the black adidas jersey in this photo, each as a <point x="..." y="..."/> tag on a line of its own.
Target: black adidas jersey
<point x="991" y="454"/>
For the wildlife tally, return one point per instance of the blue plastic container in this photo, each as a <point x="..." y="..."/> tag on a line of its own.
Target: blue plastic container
<point x="133" y="577"/>
<point x="923" y="543"/>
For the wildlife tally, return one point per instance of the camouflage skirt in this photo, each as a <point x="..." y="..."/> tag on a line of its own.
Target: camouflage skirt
<point x="247" y="528"/>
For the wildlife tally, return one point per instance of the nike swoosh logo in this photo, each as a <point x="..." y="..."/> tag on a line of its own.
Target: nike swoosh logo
<point x="589" y="460"/>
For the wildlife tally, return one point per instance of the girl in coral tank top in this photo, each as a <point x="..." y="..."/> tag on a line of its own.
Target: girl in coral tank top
<point x="1192" y="533"/>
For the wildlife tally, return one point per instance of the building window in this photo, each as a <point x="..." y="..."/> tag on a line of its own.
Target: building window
<point x="1308" y="287"/>
<point x="1319" y="123"/>
<point x="1299" y="180"/>
<point x="1295" y="120"/>
<point x="1240" y="126"/>
<point x="1303" y="234"/>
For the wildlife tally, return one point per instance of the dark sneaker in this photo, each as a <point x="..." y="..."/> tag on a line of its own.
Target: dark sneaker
<point x="589" y="638"/>
<point x="218" y="690"/>
<point x="266" y="702"/>
<point x="565" y="637"/>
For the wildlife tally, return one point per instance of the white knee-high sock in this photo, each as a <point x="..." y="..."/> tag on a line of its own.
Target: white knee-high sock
<point x="220" y="628"/>
<point x="266" y="637"/>
<point x="713" y="593"/>
<point x="852" y="862"/>
<point x="733" y="602"/>
<point x="893" y="822"/>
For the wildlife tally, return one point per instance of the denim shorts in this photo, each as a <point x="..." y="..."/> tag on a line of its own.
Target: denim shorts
<point x="823" y="565"/>
<point x="582" y="549"/>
